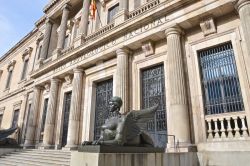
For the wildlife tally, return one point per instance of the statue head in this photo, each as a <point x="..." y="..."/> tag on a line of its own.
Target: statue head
<point x="115" y="104"/>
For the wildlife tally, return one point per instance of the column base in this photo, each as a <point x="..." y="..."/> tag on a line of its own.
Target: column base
<point x="70" y="147"/>
<point x="121" y="16"/>
<point x="46" y="147"/>
<point x="79" y="40"/>
<point x="181" y="148"/>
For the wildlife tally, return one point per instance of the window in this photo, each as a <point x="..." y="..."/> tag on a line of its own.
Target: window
<point x="112" y="12"/>
<point x="45" y="106"/>
<point x="9" y="79"/>
<point x="39" y="51"/>
<point x="219" y="79"/>
<point x="25" y="68"/>
<point x="66" y="41"/>
<point x="15" y="118"/>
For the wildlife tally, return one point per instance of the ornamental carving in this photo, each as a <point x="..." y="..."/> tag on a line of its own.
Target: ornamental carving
<point x="148" y="48"/>
<point x="47" y="87"/>
<point x="27" y="52"/>
<point x="208" y="26"/>
<point x="11" y="65"/>
<point x="68" y="79"/>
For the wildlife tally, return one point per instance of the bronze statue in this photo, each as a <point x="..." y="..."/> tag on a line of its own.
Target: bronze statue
<point x="4" y="134"/>
<point x="125" y="129"/>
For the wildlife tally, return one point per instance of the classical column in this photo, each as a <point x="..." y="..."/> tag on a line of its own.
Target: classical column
<point x="83" y="29"/>
<point x="178" y="121"/>
<point x="50" y="116"/>
<point x="46" y="40"/>
<point x="243" y="7"/>
<point x="63" y="27"/>
<point x="32" y="118"/>
<point x="122" y="80"/>
<point x="75" y="109"/>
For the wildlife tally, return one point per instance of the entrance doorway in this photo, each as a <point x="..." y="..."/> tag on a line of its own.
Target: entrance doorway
<point x="66" y="111"/>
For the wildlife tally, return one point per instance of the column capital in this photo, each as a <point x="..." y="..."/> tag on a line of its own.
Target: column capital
<point x="55" y="80"/>
<point x="174" y="30"/>
<point x="240" y="3"/>
<point x="78" y="70"/>
<point x="66" y="6"/>
<point x="122" y="51"/>
<point x="49" y="20"/>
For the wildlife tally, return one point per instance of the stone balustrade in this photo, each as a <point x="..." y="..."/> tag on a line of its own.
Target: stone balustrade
<point x="144" y="8"/>
<point x="229" y="126"/>
<point x="100" y="31"/>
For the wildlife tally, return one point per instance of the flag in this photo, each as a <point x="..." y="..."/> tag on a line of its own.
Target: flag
<point x="92" y="9"/>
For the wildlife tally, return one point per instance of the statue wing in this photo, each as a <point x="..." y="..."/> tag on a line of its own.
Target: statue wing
<point x="5" y="133"/>
<point x="136" y="121"/>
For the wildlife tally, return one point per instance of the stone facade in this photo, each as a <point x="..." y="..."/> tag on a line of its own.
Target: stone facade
<point x="69" y="52"/>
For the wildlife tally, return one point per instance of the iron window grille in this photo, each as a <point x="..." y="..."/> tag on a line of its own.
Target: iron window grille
<point x="220" y="81"/>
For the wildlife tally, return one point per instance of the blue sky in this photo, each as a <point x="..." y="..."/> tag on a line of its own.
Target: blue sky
<point x="17" y="18"/>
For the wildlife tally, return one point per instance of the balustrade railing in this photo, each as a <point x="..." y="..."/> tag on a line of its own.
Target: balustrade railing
<point x="232" y="126"/>
<point x="100" y="31"/>
<point x="144" y="8"/>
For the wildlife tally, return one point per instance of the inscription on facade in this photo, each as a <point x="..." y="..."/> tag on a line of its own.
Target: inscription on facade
<point x="142" y="29"/>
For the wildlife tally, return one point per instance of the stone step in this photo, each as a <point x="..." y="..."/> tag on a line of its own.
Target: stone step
<point x="39" y="158"/>
<point x="19" y="162"/>
<point x="50" y="153"/>
<point x="6" y="163"/>
<point x="41" y="154"/>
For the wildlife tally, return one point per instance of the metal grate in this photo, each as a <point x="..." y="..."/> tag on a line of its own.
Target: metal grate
<point x="153" y="92"/>
<point x="104" y="92"/>
<point x="66" y="112"/>
<point x="220" y="82"/>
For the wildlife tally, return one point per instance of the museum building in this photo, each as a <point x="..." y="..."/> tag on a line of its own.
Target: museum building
<point x="190" y="56"/>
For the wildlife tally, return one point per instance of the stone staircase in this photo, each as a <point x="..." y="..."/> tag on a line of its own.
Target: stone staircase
<point x="36" y="157"/>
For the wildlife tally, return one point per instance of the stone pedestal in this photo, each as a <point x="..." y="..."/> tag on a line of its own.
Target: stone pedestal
<point x="143" y="158"/>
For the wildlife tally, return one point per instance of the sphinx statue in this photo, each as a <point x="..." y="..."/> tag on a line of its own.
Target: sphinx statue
<point x="4" y="134"/>
<point x="125" y="129"/>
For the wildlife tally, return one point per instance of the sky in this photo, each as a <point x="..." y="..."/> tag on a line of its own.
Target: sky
<point x="17" y="19"/>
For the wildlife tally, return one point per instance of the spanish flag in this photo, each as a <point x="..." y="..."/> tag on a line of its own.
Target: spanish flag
<point x="92" y="9"/>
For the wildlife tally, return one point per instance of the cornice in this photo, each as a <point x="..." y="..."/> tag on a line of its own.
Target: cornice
<point x="50" y="5"/>
<point x="163" y="8"/>
<point x="40" y="21"/>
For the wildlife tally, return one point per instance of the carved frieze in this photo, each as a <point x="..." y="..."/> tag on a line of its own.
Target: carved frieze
<point x="208" y="26"/>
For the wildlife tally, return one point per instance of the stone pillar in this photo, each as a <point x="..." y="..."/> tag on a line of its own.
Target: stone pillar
<point x="122" y="80"/>
<point x="75" y="109"/>
<point x="243" y="7"/>
<point x="63" y="27"/>
<point x="50" y="116"/>
<point x="46" y="40"/>
<point x="178" y="120"/>
<point x="32" y="118"/>
<point x="123" y="13"/>
<point x="83" y="25"/>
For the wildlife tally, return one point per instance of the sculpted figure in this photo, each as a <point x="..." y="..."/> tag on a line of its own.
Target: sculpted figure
<point x="4" y="140"/>
<point x="125" y="129"/>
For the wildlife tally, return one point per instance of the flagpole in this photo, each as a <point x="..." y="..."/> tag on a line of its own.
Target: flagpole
<point x="99" y="16"/>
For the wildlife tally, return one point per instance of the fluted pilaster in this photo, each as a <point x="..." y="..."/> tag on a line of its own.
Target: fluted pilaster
<point x="50" y="116"/>
<point x="122" y="77"/>
<point x="84" y="18"/>
<point x="75" y="108"/>
<point x="32" y="118"/>
<point x="243" y="7"/>
<point x="63" y="26"/>
<point x="46" y="40"/>
<point x="178" y="123"/>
